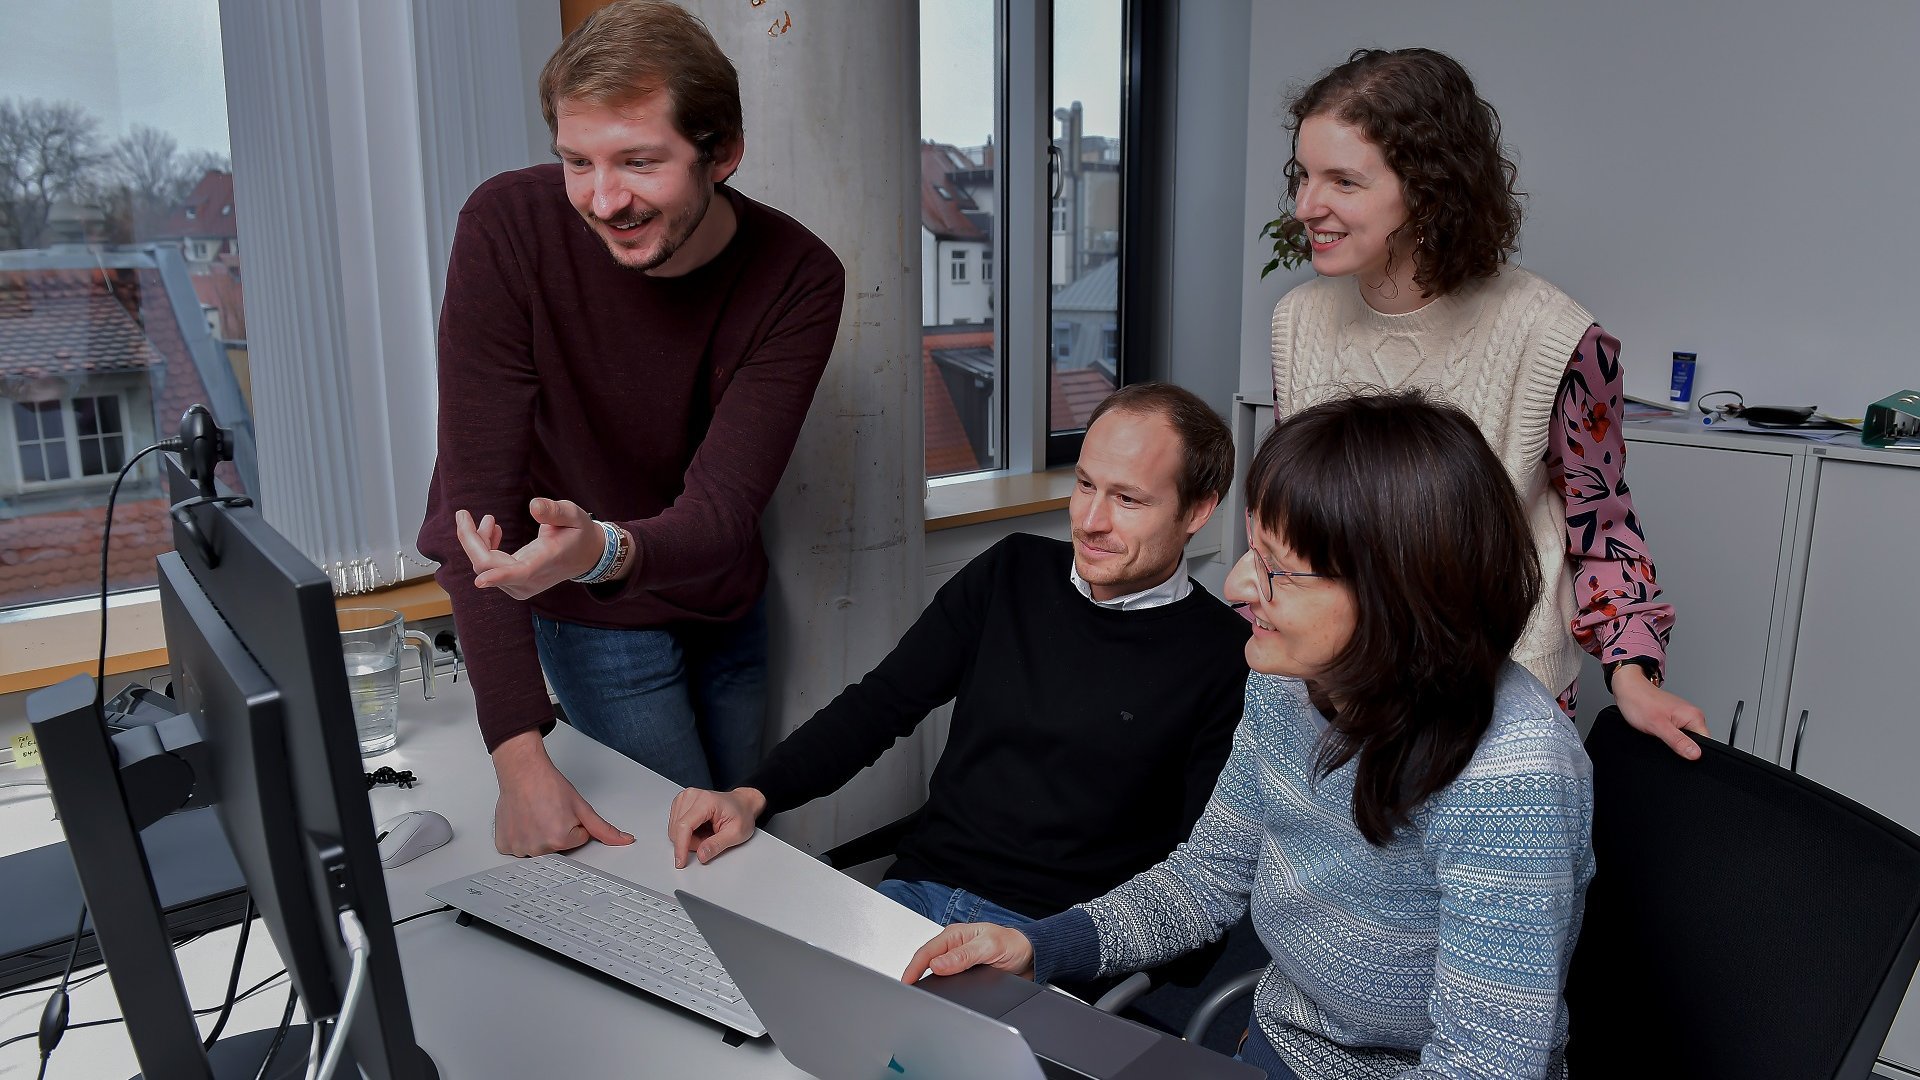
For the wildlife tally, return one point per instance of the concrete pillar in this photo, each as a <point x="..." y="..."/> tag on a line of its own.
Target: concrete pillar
<point x="832" y="103"/>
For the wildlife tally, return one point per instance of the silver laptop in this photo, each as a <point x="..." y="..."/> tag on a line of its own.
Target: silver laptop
<point x="835" y="1018"/>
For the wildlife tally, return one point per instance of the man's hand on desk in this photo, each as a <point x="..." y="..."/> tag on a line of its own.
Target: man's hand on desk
<point x="568" y="545"/>
<point x="714" y="820"/>
<point x="539" y="811"/>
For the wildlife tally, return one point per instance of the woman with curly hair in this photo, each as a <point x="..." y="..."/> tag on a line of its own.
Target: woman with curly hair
<point x="1398" y="191"/>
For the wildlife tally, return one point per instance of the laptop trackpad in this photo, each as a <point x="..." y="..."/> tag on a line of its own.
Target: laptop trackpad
<point x="1078" y="1036"/>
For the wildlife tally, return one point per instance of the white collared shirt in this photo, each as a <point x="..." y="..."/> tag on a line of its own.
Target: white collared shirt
<point x="1171" y="591"/>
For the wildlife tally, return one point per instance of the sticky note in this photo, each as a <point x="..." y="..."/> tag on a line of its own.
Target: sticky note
<point x="26" y="752"/>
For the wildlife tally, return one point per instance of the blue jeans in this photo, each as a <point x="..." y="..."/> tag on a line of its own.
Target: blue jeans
<point x="688" y="702"/>
<point x="947" y="906"/>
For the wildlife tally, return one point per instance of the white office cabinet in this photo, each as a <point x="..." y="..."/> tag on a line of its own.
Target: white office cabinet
<point x="1856" y="655"/>
<point x="1716" y="520"/>
<point x="1857" y="651"/>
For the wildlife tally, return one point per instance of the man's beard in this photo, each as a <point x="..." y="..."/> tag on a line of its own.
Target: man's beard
<point x="678" y="231"/>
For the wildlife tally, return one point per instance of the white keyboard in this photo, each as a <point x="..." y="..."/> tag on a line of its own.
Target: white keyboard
<point x="626" y="930"/>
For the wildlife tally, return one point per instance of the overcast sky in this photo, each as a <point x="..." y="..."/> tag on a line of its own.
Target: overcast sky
<point x="157" y="62"/>
<point x="152" y="62"/>
<point x="956" y="66"/>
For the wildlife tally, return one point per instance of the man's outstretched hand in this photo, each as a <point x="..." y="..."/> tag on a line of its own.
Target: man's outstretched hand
<point x="569" y="544"/>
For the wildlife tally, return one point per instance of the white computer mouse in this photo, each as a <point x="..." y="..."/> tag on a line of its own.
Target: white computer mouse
<point x="411" y="835"/>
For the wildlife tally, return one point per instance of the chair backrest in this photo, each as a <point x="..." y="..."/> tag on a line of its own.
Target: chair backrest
<point x="1743" y="921"/>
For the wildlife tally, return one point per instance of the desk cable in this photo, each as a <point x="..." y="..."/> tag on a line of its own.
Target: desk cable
<point x="53" y="1018"/>
<point x="355" y="936"/>
<point x="233" y="978"/>
<point x="285" y="1022"/>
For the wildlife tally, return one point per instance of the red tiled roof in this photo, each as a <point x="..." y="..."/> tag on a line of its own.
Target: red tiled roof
<point x="944" y="216"/>
<point x="948" y="450"/>
<point x="58" y="323"/>
<point x="57" y="555"/>
<point x="1075" y="392"/>
<point x="221" y="291"/>
<point x="206" y="212"/>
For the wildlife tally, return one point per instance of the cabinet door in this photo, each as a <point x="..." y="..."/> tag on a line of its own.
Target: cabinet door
<point x="1855" y="657"/>
<point x="1715" y="520"/>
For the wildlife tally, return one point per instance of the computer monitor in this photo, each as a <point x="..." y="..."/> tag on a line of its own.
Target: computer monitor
<point x="267" y="738"/>
<point x="254" y="651"/>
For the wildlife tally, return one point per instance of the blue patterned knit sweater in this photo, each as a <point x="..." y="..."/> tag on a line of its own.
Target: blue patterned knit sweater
<point x="1441" y="955"/>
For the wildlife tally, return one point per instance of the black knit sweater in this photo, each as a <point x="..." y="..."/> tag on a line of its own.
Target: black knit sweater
<point x="1084" y="740"/>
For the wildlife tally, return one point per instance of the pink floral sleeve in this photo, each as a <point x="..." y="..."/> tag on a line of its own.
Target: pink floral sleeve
<point x="1620" y="615"/>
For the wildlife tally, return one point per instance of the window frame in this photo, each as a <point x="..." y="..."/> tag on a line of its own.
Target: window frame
<point x="1024" y="210"/>
<point x="1147" y="25"/>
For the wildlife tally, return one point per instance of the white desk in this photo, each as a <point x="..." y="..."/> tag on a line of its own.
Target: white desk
<point x="484" y="1005"/>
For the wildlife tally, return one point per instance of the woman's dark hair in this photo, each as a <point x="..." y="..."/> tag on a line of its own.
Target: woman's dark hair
<point x="1401" y="498"/>
<point x="1443" y="141"/>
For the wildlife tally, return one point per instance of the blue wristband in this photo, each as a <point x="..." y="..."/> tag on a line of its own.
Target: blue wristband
<point x="606" y="556"/>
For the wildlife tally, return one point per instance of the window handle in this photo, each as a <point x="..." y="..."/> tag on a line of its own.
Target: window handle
<point x="1056" y="176"/>
<point x="1733" y="729"/>
<point x="1793" y="764"/>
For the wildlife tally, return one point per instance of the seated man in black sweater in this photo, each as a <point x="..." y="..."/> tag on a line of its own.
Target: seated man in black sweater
<point x="1095" y="686"/>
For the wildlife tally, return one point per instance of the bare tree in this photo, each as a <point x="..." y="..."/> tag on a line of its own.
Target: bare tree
<point x="152" y="177"/>
<point x="47" y="152"/>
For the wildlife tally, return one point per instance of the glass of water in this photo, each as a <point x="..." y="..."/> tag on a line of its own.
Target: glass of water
<point x="370" y="643"/>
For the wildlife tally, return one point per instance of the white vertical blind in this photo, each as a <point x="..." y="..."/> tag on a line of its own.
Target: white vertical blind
<point x="355" y="141"/>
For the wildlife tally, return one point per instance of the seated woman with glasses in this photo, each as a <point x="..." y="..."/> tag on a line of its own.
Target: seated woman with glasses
<point x="1406" y="812"/>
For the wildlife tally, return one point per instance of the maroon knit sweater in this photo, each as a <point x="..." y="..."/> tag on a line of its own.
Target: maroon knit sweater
<point x="668" y="405"/>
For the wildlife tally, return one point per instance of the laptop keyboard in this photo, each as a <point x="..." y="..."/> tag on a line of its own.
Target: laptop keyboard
<point x="628" y="931"/>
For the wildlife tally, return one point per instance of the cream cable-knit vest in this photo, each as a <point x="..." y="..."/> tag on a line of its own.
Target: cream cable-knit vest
<point x="1497" y="348"/>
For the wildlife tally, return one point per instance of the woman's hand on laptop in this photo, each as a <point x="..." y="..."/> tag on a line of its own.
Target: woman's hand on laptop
<point x="969" y="945"/>
<point x="712" y="820"/>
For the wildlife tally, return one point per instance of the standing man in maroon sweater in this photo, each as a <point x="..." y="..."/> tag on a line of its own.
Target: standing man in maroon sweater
<point x="627" y="351"/>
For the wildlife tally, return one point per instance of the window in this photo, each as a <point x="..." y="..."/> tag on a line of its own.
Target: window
<point x="963" y="388"/>
<point x="68" y="439"/>
<point x="103" y="338"/>
<point x="1089" y="47"/>
<point x="1032" y="177"/>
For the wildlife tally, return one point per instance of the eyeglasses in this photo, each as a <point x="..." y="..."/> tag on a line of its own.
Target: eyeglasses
<point x="1269" y="573"/>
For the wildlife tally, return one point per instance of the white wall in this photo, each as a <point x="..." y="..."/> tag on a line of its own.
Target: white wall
<point x="1206" y="234"/>
<point x="1730" y="177"/>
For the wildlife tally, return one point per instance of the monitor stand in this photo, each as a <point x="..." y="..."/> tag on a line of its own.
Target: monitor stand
<point x="238" y="1057"/>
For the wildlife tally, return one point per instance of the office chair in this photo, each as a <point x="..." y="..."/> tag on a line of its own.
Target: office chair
<point x="1743" y="922"/>
<point x="1107" y="995"/>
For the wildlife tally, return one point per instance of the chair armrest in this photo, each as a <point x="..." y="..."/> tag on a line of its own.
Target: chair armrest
<point x="1123" y="995"/>
<point x="877" y="844"/>
<point x="1211" y="1007"/>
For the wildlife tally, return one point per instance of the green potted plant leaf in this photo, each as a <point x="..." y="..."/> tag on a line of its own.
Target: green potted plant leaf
<point x="1284" y="254"/>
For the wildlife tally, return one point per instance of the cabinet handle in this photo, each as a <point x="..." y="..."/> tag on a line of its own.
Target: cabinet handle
<point x="1733" y="730"/>
<point x="1793" y="764"/>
